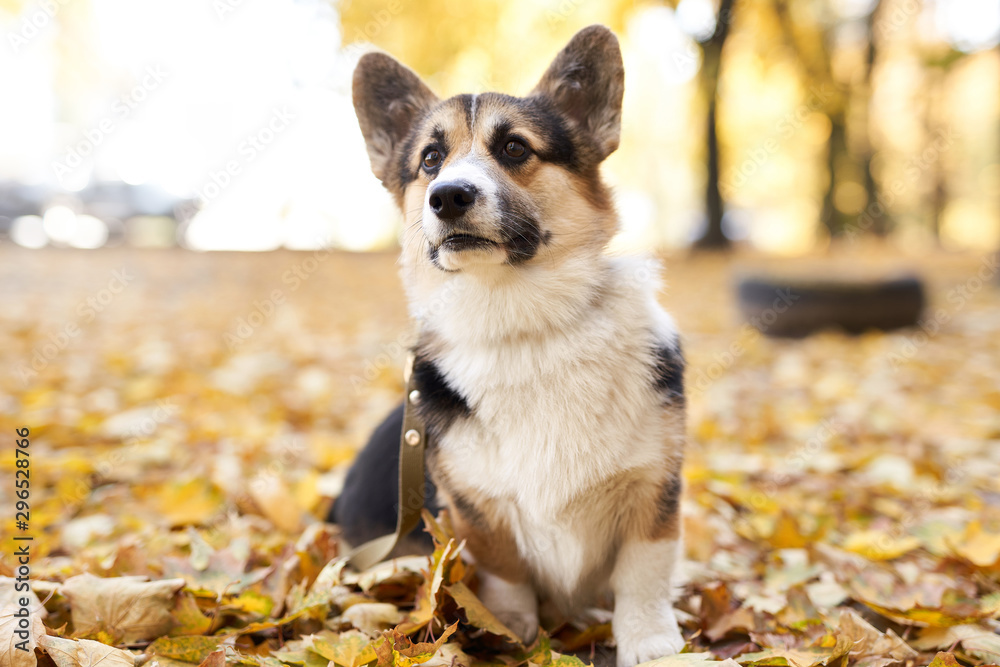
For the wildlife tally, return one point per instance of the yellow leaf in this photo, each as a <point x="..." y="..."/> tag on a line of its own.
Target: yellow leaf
<point x="188" y="649"/>
<point x="878" y="545"/>
<point x="805" y="657"/>
<point x="188" y="619"/>
<point x="477" y="613"/>
<point x="253" y="602"/>
<point x="933" y="617"/>
<point x="787" y="534"/>
<point x="185" y="503"/>
<point x="350" y="649"/>
<point x="272" y="497"/>
<point x="978" y="547"/>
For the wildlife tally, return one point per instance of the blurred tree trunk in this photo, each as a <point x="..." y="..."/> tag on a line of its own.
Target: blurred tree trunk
<point x="880" y="226"/>
<point x="813" y="54"/>
<point x="933" y="123"/>
<point x="711" y="50"/>
<point x="836" y="149"/>
<point x="817" y="70"/>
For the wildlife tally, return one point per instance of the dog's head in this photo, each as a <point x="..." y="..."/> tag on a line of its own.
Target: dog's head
<point x="490" y="179"/>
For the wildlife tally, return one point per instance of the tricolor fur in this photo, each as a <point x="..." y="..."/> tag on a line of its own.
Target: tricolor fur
<point x="551" y="379"/>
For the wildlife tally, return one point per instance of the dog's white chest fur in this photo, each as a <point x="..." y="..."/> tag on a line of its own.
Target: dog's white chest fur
<point x="557" y="412"/>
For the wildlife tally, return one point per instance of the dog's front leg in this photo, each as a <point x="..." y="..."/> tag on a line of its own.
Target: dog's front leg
<point x="515" y="604"/>
<point x="644" y="624"/>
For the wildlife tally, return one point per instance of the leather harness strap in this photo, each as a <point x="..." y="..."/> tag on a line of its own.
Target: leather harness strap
<point x="412" y="443"/>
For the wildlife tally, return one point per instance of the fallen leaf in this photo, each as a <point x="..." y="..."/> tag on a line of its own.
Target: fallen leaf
<point x="978" y="546"/>
<point x="10" y="595"/>
<point x="128" y="608"/>
<point x="275" y="500"/>
<point x="188" y="619"/>
<point x="944" y="660"/>
<point x="188" y="649"/>
<point x="866" y="640"/>
<point x="945" y="637"/>
<point x="805" y="657"/>
<point x="214" y="659"/>
<point x="477" y="613"/>
<point x="85" y="653"/>
<point x="985" y="646"/>
<point x="373" y="617"/>
<point x="689" y="660"/>
<point x="879" y="545"/>
<point x="18" y="650"/>
<point x="350" y="649"/>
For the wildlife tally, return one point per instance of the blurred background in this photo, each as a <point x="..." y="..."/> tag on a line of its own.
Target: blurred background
<point x="228" y="125"/>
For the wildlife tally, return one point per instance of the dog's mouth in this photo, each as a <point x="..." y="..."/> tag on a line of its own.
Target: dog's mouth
<point x="460" y="242"/>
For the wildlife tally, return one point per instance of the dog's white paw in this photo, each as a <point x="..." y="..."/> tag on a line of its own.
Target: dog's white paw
<point x="634" y="648"/>
<point x="513" y="603"/>
<point x="524" y="625"/>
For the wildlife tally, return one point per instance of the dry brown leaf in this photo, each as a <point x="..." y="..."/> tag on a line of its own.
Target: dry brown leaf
<point x="85" y="653"/>
<point x="10" y="595"/>
<point x="477" y="613"/>
<point x="128" y="608"/>
<point x="18" y="650"/>
<point x="866" y="640"/>
<point x="62" y="651"/>
<point x="214" y="659"/>
<point x="373" y="617"/>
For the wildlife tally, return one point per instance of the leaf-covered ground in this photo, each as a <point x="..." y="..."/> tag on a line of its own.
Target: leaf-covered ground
<point x="191" y="418"/>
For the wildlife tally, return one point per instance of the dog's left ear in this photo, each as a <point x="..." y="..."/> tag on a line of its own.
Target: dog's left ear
<point x="586" y="82"/>
<point x="388" y="99"/>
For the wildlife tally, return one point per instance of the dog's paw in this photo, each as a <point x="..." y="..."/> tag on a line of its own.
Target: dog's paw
<point x="638" y="649"/>
<point x="524" y="625"/>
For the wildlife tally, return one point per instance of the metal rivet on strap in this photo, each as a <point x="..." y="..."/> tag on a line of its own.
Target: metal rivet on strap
<point x="414" y="397"/>
<point x="412" y="437"/>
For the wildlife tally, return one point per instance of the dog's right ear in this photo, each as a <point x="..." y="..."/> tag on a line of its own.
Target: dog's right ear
<point x="388" y="99"/>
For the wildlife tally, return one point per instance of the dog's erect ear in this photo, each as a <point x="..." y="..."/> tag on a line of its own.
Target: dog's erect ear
<point x="586" y="82"/>
<point x="388" y="98"/>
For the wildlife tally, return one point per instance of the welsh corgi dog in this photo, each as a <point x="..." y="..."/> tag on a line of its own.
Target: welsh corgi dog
<point x="551" y="380"/>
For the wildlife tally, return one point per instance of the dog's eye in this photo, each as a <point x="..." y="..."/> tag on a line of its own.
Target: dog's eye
<point x="432" y="159"/>
<point x="514" y="149"/>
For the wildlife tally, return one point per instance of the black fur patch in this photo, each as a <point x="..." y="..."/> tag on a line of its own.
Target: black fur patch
<point x="369" y="501"/>
<point x="440" y="405"/>
<point x="439" y="141"/>
<point x="669" y="502"/>
<point x="546" y="122"/>
<point x="520" y="231"/>
<point x="669" y="372"/>
<point x="466" y="102"/>
<point x="560" y="148"/>
<point x="404" y="168"/>
<point x="499" y="134"/>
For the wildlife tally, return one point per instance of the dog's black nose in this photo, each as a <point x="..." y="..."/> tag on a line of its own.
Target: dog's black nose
<point x="450" y="200"/>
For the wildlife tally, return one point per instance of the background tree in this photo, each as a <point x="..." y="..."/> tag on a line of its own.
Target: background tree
<point x="813" y="43"/>
<point x="711" y="50"/>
